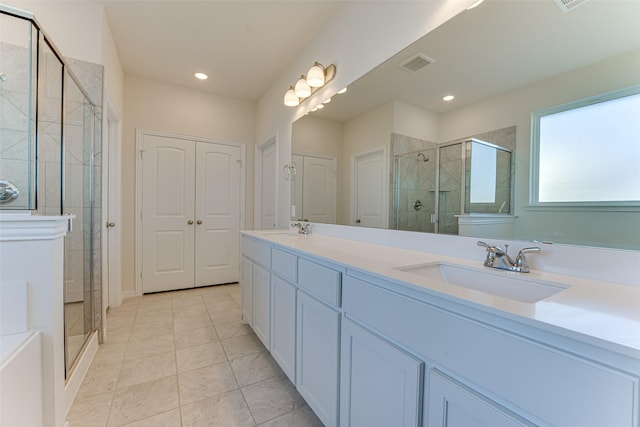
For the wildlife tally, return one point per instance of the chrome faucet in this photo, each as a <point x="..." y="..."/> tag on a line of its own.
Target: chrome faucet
<point x="499" y="258"/>
<point x="303" y="227"/>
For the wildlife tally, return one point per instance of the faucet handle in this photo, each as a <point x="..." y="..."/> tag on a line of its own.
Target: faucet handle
<point x="521" y="264"/>
<point x="492" y="248"/>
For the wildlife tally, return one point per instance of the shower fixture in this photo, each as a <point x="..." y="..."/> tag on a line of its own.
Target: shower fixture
<point x="424" y="158"/>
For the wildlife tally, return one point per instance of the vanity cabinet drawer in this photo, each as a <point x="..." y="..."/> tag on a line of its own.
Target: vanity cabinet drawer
<point x="257" y="252"/>
<point x="323" y="282"/>
<point x="285" y="265"/>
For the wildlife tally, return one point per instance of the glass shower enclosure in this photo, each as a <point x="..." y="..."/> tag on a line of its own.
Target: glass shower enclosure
<point x="433" y="186"/>
<point x="50" y="161"/>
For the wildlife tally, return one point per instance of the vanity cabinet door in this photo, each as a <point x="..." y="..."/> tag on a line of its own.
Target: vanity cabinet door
<point x="261" y="304"/>
<point x="452" y="404"/>
<point x="283" y="325"/>
<point x="246" y="287"/>
<point x="381" y="384"/>
<point x="318" y="357"/>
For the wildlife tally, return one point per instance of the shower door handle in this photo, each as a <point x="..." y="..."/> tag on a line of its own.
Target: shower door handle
<point x="111" y="224"/>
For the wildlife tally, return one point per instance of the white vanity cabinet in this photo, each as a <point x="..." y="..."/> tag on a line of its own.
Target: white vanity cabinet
<point x="256" y="287"/>
<point x="284" y="295"/>
<point x="366" y="349"/>
<point x="301" y="297"/>
<point x="452" y="404"/>
<point x="318" y="338"/>
<point x="381" y="385"/>
<point x="503" y="370"/>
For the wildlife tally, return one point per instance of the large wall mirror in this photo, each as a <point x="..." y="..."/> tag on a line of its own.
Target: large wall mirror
<point x="391" y="153"/>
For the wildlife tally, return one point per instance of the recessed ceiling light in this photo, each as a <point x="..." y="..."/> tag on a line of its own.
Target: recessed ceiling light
<point x="201" y="76"/>
<point x="448" y="98"/>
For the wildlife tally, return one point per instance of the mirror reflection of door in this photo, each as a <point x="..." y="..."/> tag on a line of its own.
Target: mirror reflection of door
<point x="314" y="189"/>
<point x="369" y="190"/>
<point x="268" y="172"/>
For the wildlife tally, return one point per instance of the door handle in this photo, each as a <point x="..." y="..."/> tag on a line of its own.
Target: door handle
<point x="111" y="224"/>
<point x="199" y="222"/>
<point x="190" y="222"/>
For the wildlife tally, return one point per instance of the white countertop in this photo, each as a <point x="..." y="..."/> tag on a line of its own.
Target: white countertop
<point x="603" y="313"/>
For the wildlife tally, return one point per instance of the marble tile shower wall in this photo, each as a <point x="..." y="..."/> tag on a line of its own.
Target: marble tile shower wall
<point x="412" y="180"/>
<point x="15" y="120"/>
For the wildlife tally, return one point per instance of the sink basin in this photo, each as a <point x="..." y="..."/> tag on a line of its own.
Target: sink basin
<point x="503" y="283"/>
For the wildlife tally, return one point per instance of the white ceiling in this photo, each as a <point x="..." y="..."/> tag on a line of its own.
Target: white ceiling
<point x="243" y="45"/>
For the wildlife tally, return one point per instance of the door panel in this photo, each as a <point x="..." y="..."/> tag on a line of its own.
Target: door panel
<point x="268" y="187"/>
<point x="168" y="167"/>
<point x="370" y="190"/>
<point x="217" y="239"/>
<point x="319" y="194"/>
<point x="296" y="188"/>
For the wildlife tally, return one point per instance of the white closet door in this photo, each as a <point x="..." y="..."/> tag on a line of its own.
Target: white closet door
<point x="168" y="174"/>
<point x="370" y="190"/>
<point x="319" y="194"/>
<point x="217" y="238"/>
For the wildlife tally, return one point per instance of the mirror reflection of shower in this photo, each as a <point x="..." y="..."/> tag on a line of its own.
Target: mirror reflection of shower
<point x="434" y="184"/>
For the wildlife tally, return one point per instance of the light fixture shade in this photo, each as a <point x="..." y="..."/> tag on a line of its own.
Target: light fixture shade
<point x="290" y="98"/>
<point x="315" y="76"/>
<point x="302" y="88"/>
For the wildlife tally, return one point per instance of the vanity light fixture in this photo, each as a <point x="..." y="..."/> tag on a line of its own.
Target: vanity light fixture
<point x="341" y="91"/>
<point x="302" y="89"/>
<point x="290" y="98"/>
<point x="317" y="77"/>
<point x="326" y="101"/>
<point x="448" y="98"/>
<point x="201" y="76"/>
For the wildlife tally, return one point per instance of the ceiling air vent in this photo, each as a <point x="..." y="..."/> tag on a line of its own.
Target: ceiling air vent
<point x="416" y="62"/>
<point x="568" y="5"/>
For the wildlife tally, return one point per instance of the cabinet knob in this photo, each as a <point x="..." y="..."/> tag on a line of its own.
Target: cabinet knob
<point x="190" y="222"/>
<point x="199" y="222"/>
<point x="111" y="224"/>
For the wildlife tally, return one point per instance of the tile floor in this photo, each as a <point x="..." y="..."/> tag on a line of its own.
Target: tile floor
<point x="185" y="359"/>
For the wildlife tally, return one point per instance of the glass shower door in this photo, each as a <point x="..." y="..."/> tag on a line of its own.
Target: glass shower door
<point x="78" y="200"/>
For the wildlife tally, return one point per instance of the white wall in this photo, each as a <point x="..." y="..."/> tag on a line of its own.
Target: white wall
<point x="360" y="36"/>
<point x="319" y="136"/>
<point x="415" y="122"/>
<point x="173" y="109"/>
<point x="515" y="108"/>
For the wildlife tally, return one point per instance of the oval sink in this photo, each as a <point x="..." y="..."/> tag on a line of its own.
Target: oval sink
<point x="502" y="283"/>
